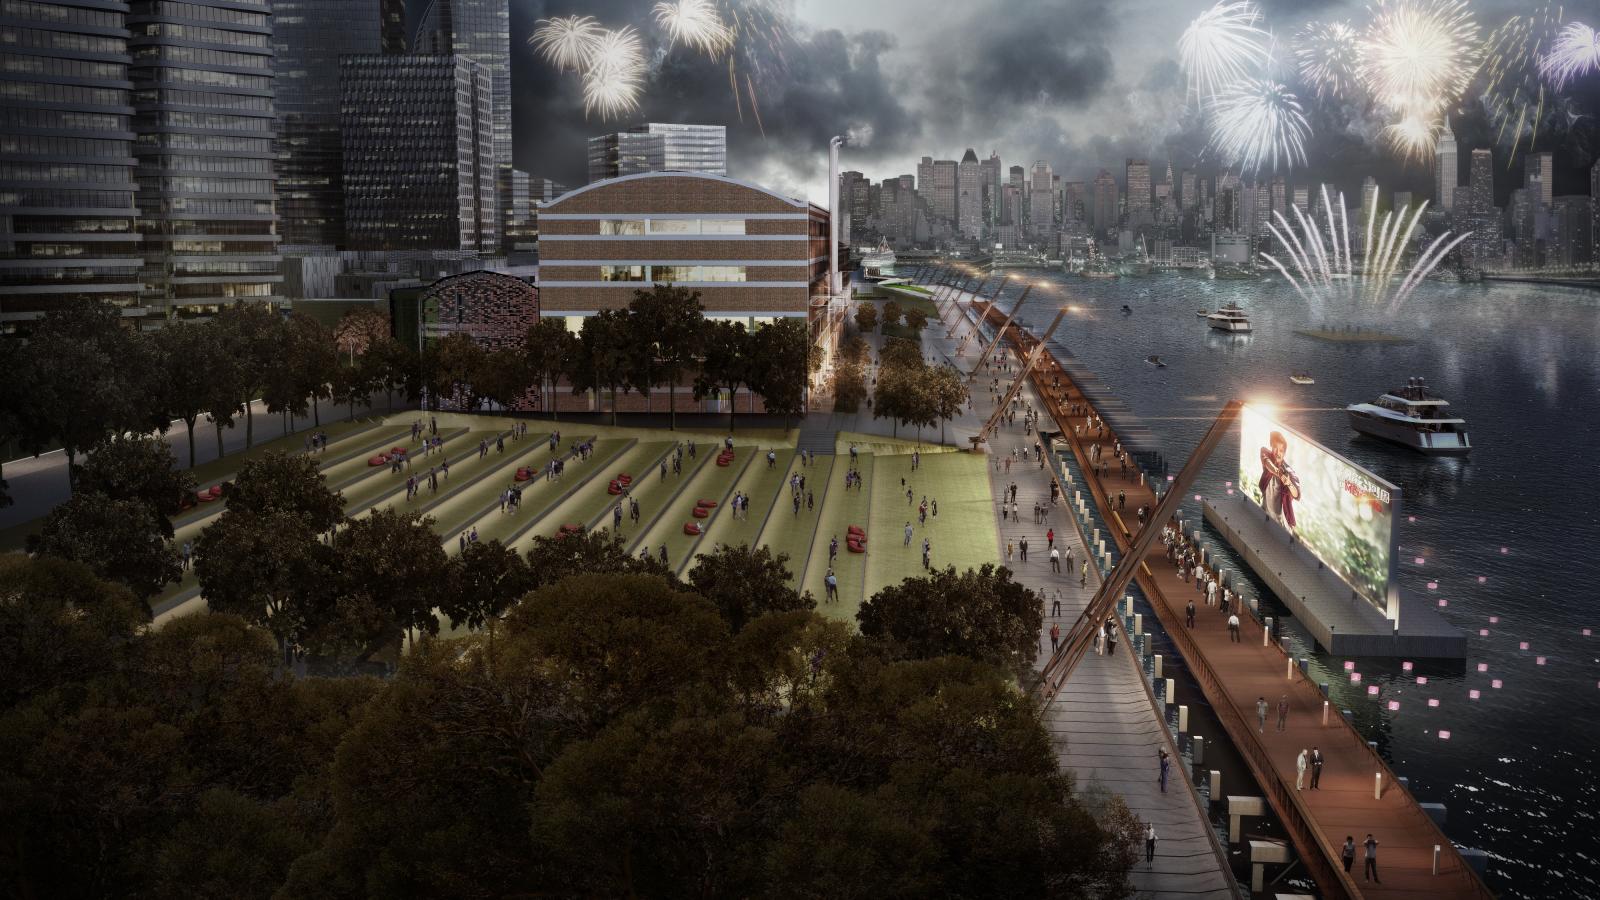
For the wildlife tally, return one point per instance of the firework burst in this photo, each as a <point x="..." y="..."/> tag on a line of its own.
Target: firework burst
<point x="1514" y="96"/>
<point x="1417" y="56"/>
<point x="695" y="23"/>
<point x="1573" y="54"/>
<point x="1327" y="53"/>
<point x="1221" y="46"/>
<point x="1256" y="123"/>
<point x="1414" y="136"/>
<point x="567" y="42"/>
<point x="613" y="74"/>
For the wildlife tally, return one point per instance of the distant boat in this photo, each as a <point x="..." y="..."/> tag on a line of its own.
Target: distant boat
<point x="1302" y="378"/>
<point x="1155" y="361"/>
<point x="1230" y="319"/>
<point x="1412" y="416"/>
<point x="1202" y="313"/>
<point x="1126" y="309"/>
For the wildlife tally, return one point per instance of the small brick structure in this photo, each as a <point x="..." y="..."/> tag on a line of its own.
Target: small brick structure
<point x="494" y="310"/>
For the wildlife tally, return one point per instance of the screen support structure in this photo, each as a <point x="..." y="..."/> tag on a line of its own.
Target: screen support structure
<point x="998" y="335"/>
<point x="1081" y="636"/>
<point x="1021" y="379"/>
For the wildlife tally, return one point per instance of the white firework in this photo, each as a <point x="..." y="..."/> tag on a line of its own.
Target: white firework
<point x="1222" y="45"/>
<point x="1574" y="54"/>
<point x="614" y="74"/>
<point x="1257" y="122"/>
<point x="695" y="23"/>
<point x="1326" y="53"/>
<point x="567" y="42"/>
<point x="1417" y="56"/>
<point x="1414" y="136"/>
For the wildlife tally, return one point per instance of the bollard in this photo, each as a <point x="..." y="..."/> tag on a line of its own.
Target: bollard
<point x="1156" y="662"/>
<point x="1435" y="859"/>
<point x="1172" y="690"/>
<point x="1183" y="718"/>
<point x="1324" y="714"/>
<point x="1127" y="603"/>
<point x="1198" y="750"/>
<point x="1288" y="670"/>
<point x="1138" y="623"/>
<point x="1266" y="631"/>
<point x="1377" y="785"/>
<point x="1216" y="785"/>
<point x="1096" y="535"/>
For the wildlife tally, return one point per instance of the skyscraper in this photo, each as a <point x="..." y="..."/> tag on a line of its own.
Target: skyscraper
<point x="936" y="182"/>
<point x="419" y="163"/>
<point x="1074" y="202"/>
<point x="690" y="148"/>
<point x="479" y="30"/>
<point x="1480" y="183"/>
<point x="203" y="112"/>
<point x="969" y="196"/>
<point x="66" y="188"/>
<point x="1478" y="214"/>
<point x="1138" y="180"/>
<point x="993" y="173"/>
<point x="1370" y="199"/>
<point x="855" y="196"/>
<point x="626" y="153"/>
<point x="1541" y="166"/>
<point x="1042" y="200"/>
<point x="1594" y="208"/>
<point x="1105" y="202"/>
<point x="308" y="37"/>
<point x="1445" y="169"/>
<point x="1302" y="199"/>
<point x="1571" y="243"/>
<point x="1187" y="199"/>
<point x="1280" y="198"/>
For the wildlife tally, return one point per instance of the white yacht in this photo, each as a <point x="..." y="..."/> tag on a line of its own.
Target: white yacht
<point x="1229" y="318"/>
<point x="1412" y="416"/>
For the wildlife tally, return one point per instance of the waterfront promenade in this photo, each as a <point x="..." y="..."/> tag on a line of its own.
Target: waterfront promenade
<point x="1358" y="794"/>
<point x="1104" y="722"/>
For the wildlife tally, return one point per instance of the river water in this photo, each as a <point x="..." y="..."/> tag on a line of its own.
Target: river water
<point x="1508" y="538"/>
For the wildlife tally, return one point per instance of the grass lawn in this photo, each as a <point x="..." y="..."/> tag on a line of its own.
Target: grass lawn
<point x="961" y="535"/>
<point x="842" y="509"/>
<point x="764" y="487"/>
<point x="708" y="481"/>
<point x="776" y="523"/>
<point x="582" y="487"/>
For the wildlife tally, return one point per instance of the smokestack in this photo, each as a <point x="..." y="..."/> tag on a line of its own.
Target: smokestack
<point x="834" y="287"/>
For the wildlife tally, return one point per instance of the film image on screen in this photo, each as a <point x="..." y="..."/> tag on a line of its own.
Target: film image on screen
<point x="1339" y="511"/>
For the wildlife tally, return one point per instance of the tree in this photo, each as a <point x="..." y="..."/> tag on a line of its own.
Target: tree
<point x="948" y="392"/>
<point x="781" y="350"/>
<point x="901" y="395"/>
<point x="12" y="400"/>
<point x="744" y="583"/>
<point x="672" y="320"/>
<point x="867" y="317"/>
<point x="75" y="368"/>
<point x="188" y="360"/>
<point x="980" y="614"/>
<point x="269" y="569"/>
<point x="355" y="384"/>
<point x="551" y="559"/>
<point x="124" y="467"/>
<point x="891" y="312"/>
<point x="728" y="363"/>
<point x="281" y="482"/>
<point x="849" y="386"/>
<point x="901" y="353"/>
<point x="397" y="366"/>
<point x="59" y="624"/>
<point x="449" y="366"/>
<point x="119" y="540"/>
<point x="253" y="334"/>
<point x="390" y="571"/>
<point x="503" y="377"/>
<point x="549" y="347"/>
<point x="603" y="353"/>
<point x="358" y="332"/>
<point x="313" y="360"/>
<point x="916" y="318"/>
<point x="483" y="581"/>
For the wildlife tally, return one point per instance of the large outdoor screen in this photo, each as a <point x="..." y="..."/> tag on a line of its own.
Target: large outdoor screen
<point x="1341" y="512"/>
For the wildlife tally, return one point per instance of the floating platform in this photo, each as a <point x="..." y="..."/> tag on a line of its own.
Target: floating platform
<point x="1343" y="623"/>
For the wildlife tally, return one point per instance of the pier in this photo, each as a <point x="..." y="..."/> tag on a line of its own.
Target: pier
<point x="1359" y="793"/>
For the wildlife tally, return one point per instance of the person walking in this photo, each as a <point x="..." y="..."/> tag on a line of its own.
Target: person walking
<point x="1301" y="762"/>
<point x="833" y="550"/>
<point x="1283" y="712"/>
<point x="1370" y="870"/>
<point x="1261" y="715"/>
<point x="616" y="517"/>
<point x="831" y="587"/>
<point x="1022" y="546"/>
<point x="1188" y="615"/>
<point x="1050" y="538"/>
<point x="927" y="554"/>
<point x="1233" y="627"/>
<point x="1150" y="844"/>
<point x="1055" y="561"/>
<point x="1083" y="575"/>
<point x="908" y="533"/>
<point x="1347" y="853"/>
<point x="1316" y="769"/>
<point x="1165" y="764"/>
<point x="1055" y="636"/>
<point x="1055" y="605"/>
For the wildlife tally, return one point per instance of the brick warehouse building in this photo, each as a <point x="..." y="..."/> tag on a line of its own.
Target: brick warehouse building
<point x="494" y="310"/>
<point x="754" y="255"/>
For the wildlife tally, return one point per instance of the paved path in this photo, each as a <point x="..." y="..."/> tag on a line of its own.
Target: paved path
<point x="1103" y="724"/>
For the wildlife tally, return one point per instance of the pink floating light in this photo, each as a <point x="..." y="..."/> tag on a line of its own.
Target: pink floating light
<point x="1444" y="735"/>
<point x="1494" y="620"/>
<point x="1496" y="684"/>
<point x="1523" y="645"/>
<point x="1405" y="666"/>
<point x="1197" y="498"/>
<point x="1538" y="661"/>
<point x="1443" y="602"/>
<point x="1349" y="665"/>
<point x="1482" y="579"/>
<point x="1422" y="679"/>
<point x="1355" y="677"/>
<point x="1372" y="690"/>
<point x="1483" y="632"/>
<point x="1504" y="550"/>
<point x="1227" y="484"/>
<point x="1433" y="701"/>
<point x="1394" y="705"/>
<point x="1474" y="694"/>
<point x="1483" y="667"/>
<point x="1433" y="585"/>
<point x="1420" y="560"/>
<point x="1169" y="477"/>
<point x="1411" y="518"/>
<point x="1230" y="492"/>
<point x="1586" y="632"/>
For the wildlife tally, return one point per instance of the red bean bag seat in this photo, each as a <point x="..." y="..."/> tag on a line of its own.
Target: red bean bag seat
<point x="205" y="496"/>
<point x="724" y="461"/>
<point x="855" y="547"/>
<point x="692" y="528"/>
<point x="397" y="451"/>
<point x="379" y="460"/>
<point x="700" y="512"/>
<point x="614" y="488"/>
<point x="570" y="528"/>
<point x="708" y="504"/>
<point x="625" y="479"/>
<point x="186" y="502"/>
<point x="523" y="475"/>
<point x="856" y="529"/>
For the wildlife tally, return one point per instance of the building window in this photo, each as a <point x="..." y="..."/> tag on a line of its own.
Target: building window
<point x="622" y="226"/>
<point x="624" y="273"/>
<point x="673" y="274"/>
<point x="722" y="226"/>
<point x="674" y="226"/>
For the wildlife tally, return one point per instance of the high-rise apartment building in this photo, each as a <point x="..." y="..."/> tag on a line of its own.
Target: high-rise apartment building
<point x="969" y="196"/>
<point x="1571" y="240"/>
<point x="479" y="30"/>
<point x="1187" y="199"/>
<point x="993" y="173"/>
<point x="308" y="37"/>
<point x="625" y="153"/>
<point x="1105" y="202"/>
<point x="855" y="200"/>
<point x="1478" y="213"/>
<point x="1522" y="214"/>
<point x="936" y="182"/>
<point x="67" y="212"/>
<point x="1446" y="172"/>
<point x="1074" y="202"/>
<point x="419" y="164"/>
<point x="1261" y="210"/>
<point x="203" y="113"/>
<point x="1541" y="167"/>
<point x="1138" y="181"/>
<point x="1042" y="200"/>
<point x="527" y="192"/>
<point x="1280" y="198"/>
<point x="1302" y="199"/>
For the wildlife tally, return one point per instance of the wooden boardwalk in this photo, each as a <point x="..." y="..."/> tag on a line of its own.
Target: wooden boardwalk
<point x="1234" y="675"/>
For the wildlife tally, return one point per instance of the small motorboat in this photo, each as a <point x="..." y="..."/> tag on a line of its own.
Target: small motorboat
<point x="1155" y="361"/>
<point x="1302" y="378"/>
<point x="1126" y="309"/>
<point x="1202" y="313"/>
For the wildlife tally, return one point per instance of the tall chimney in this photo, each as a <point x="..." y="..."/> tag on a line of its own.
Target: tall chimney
<point x="835" y="288"/>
